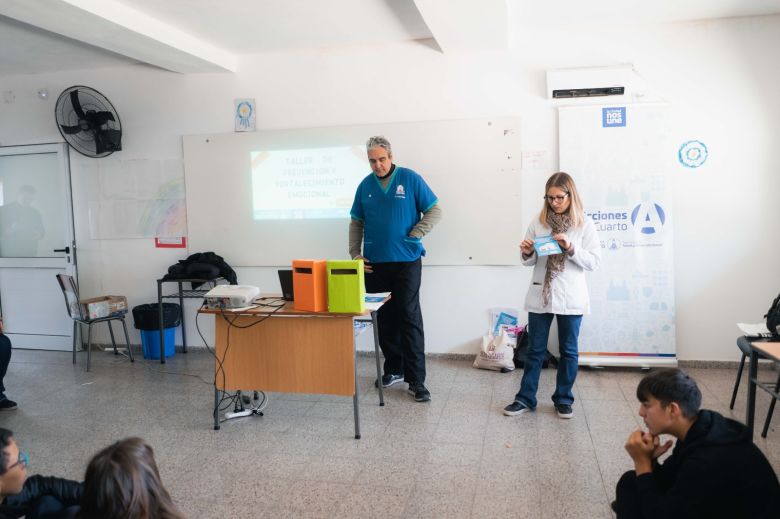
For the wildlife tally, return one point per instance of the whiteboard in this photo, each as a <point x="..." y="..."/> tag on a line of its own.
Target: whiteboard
<point x="473" y="167"/>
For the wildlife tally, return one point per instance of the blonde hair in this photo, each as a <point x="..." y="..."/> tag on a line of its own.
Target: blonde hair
<point x="564" y="182"/>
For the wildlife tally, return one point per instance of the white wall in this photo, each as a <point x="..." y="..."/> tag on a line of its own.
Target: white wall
<point x="719" y="77"/>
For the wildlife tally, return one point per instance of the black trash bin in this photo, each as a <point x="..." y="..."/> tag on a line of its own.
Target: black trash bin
<point x="147" y="320"/>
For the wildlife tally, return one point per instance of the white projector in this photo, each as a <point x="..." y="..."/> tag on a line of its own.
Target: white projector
<point x="231" y="296"/>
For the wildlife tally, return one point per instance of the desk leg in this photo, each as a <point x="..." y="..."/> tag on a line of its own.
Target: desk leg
<point x="216" y="408"/>
<point x="355" y="401"/>
<point x="751" y="394"/>
<point x="375" y="327"/>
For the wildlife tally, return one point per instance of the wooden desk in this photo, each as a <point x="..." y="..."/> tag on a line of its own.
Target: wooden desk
<point x="769" y="349"/>
<point x="289" y="351"/>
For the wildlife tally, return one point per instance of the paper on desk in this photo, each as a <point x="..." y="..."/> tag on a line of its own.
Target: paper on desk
<point x="374" y="301"/>
<point x="754" y="330"/>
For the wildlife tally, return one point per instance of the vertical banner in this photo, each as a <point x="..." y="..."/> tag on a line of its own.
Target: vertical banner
<point x="621" y="161"/>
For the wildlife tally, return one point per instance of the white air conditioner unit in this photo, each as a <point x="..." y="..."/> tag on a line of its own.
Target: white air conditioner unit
<point x="583" y="82"/>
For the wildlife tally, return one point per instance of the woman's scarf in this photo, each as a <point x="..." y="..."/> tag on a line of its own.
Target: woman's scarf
<point x="559" y="223"/>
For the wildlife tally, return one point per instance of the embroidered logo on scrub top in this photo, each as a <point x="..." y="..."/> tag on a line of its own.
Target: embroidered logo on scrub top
<point x="399" y="192"/>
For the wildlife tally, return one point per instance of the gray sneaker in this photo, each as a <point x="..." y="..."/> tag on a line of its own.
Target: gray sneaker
<point x="421" y="393"/>
<point x="7" y="405"/>
<point x="389" y="380"/>
<point x="515" y="408"/>
<point x="564" y="411"/>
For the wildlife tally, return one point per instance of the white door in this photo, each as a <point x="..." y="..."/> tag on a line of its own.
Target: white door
<point x="36" y="243"/>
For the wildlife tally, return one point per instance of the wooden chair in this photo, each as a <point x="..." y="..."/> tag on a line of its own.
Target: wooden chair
<point x="71" y="294"/>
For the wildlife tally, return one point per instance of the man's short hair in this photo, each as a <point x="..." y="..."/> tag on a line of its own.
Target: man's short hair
<point x="5" y="441"/>
<point x="671" y="385"/>
<point x="379" y="141"/>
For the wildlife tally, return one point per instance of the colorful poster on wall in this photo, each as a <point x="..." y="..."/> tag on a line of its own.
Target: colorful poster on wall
<point x="137" y="198"/>
<point x="622" y="171"/>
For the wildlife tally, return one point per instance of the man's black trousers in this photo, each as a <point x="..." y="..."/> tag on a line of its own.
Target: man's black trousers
<point x="401" y="335"/>
<point x="5" y="358"/>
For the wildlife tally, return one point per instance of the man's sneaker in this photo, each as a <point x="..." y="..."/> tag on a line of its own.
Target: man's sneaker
<point x="421" y="394"/>
<point x="389" y="380"/>
<point x="515" y="408"/>
<point x="564" y="411"/>
<point x="7" y="405"/>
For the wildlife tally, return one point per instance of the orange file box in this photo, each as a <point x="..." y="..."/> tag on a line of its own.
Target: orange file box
<point x="310" y="285"/>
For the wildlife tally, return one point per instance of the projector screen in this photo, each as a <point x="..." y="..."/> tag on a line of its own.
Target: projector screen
<point x="307" y="183"/>
<point x="268" y="197"/>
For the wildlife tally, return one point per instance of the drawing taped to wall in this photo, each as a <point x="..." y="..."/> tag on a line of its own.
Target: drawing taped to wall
<point x="692" y="154"/>
<point x="138" y="198"/>
<point x="244" y="115"/>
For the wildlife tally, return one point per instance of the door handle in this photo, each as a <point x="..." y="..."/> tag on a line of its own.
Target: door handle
<point x="66" y="250"/>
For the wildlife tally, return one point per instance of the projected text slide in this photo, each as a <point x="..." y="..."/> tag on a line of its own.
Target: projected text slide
<point x="306" y="183"/>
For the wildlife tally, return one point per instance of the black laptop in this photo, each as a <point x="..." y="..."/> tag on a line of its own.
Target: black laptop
<point x="286" y="281"/>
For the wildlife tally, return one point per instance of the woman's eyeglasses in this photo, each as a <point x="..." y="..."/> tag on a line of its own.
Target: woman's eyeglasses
<point x="558" y="199"/>
<point x="23" y="460"/>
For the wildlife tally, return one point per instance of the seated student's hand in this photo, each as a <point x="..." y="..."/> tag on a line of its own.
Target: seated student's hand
<point x="658" y="449"/>
<point x="366" y="264"/>
<point x="640" y="447"/>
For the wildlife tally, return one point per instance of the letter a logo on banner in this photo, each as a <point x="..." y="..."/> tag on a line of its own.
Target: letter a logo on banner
<point x="649" y="217"/>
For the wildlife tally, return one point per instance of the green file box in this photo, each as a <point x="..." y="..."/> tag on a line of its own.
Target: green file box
<point x="346" y="286"/>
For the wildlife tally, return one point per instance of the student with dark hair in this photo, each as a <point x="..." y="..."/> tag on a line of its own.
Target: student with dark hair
<point x="715" y="470"/>
<point x="122" y="481"/>
<point x="37" y="497"/>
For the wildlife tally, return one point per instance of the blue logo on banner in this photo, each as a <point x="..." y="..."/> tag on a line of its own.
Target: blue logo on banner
<point x="648" y="217"/>
<point x="692" y="154"/>
<point x="615" y="116"/>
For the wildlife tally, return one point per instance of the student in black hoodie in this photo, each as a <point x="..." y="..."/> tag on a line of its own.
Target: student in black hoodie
<point x="714" y="471"/>
<point x="36" y="497"/>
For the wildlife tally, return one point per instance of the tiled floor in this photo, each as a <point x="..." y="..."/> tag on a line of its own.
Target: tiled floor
<point x="456" y="456"/>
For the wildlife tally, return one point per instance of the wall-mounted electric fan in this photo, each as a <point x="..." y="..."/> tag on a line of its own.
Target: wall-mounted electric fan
<point x="88" y="121"/>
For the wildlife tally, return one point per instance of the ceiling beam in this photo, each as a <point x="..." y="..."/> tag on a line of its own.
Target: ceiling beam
<point x="459" y="26"/>
<point x="110" y="25"/>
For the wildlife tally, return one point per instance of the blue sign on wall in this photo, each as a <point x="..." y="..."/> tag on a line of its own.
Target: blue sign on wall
<point x="613" y="116"/>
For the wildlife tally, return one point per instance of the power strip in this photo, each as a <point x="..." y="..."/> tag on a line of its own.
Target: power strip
<point x="238" y="414"/>
<point x="255" y="410"/>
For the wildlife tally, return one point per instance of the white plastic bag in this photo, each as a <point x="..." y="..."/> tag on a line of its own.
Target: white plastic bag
<point x="496" y="352"/>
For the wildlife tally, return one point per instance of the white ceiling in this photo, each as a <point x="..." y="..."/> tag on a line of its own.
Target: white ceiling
<point x="211" y="35"/>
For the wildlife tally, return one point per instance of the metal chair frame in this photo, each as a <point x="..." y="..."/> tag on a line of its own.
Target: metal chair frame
<point x="75" y="312"/>
<point x="743" y="343"/>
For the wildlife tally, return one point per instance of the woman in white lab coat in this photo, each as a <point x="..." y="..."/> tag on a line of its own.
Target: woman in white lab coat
<point x="558" y="289"/>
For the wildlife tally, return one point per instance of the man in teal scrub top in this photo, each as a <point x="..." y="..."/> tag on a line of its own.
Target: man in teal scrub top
<point x="393" y="209"/>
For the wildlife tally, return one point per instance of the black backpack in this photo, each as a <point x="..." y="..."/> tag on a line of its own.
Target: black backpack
<point x="773" y="317"/>
<point x="522" y="349"/>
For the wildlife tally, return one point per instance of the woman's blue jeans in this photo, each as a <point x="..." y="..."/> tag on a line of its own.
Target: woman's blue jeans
<point x="538" y="333"/>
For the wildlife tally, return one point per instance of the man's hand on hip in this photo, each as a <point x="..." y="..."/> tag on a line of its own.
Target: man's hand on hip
<point x="366" y="264"/>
